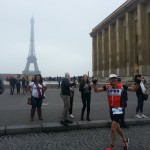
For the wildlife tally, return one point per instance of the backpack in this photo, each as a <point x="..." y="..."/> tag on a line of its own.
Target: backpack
<point x="124" y="98"/>
<point x="1" y="86"/>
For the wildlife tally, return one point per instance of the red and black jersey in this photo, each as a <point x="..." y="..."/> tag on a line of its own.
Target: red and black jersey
<point x="114" y="94"/>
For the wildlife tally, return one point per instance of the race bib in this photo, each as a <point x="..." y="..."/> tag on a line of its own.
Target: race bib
<point x="117" y="111"/>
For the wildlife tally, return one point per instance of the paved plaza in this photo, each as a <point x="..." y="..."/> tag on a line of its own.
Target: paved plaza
<point x="15" y="111"/>
<point x="87" y="139"/>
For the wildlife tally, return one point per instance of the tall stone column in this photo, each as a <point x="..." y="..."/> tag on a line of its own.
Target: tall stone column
<point x="148" y="40"/>
<point x="142" y="42"/>
<point x="110" y="43"/>
<point x="100" y="53"/>
<point x="120" y="49"/>
<point x="97" y="55"/>
<point x="103" y="51"/>
<point x="113" y="52"/>
<point x="130" y="54"/>
<point x="94" y="56"/>
<point x="106" y="53"/>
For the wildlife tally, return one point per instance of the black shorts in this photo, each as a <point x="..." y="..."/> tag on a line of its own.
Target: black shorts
<point x="117" y="117"/>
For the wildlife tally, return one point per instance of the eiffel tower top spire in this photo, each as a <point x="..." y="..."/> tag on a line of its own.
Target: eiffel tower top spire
<point x="31" y="56"/>
<point x="32" y="45"/>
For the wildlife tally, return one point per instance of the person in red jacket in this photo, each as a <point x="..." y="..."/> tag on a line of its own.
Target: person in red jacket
<point x="114" y="91"/>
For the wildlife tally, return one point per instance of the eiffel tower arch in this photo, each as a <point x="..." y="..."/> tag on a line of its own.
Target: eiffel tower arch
<point x="31" y="56"/>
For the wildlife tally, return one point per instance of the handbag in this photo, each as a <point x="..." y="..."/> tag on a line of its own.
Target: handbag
<point x="29" y="101"/>
<point x="145" y="96"/>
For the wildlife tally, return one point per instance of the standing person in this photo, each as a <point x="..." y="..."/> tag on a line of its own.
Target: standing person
<point x="65" y="94"/>
<point x="139" y="93"/>
<point x="37" y="89"/>
<point x="1" y="86"/>
<point x="12" y="82"/>
<point x="27" y="83"/>
<point x="124" y="97"/>
<point x="24" y="89"/>
<point x="85" y="89"/>
<point x="59" y="81"/>
<point x="71" y="100"/>
<point x="114" y="91"/>
<point x="144" y="81"/>
<point x="18" y="80"/>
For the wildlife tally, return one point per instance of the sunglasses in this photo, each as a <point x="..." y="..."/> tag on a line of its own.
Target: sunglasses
<point x="113" y="78"/>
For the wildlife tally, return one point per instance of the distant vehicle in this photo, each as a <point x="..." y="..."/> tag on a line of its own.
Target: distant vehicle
<point x="1" y="86"/>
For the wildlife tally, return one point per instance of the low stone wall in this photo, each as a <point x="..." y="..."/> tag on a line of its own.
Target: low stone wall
<point x="100" y="84"/>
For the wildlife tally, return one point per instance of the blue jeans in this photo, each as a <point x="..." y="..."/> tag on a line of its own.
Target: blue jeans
<point x="36" y="103"/>
<point x="140" y="104"/>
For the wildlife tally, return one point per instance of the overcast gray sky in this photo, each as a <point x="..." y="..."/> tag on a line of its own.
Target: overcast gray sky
<point x="62" y="40"/>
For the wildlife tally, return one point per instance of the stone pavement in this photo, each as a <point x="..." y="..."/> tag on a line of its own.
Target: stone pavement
<point x="15" y="113"/>
<point x="85" y="139"/>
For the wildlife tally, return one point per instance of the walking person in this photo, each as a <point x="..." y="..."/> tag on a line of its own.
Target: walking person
<point x="12" y="83"/>
<point x="24" y="89"/>
<point x="65" y="94"/>
<point x="2" y="89"/>
<point x="18" y="83"/>
<point x="59" y="81"/>
<point x="71" y="100"/>
<point x="85" y="89"/>
<point x="27" y="84"/>
<point x="114" y="91"/>
<point x="139" y="93"/>
<point x="37" y="89"/>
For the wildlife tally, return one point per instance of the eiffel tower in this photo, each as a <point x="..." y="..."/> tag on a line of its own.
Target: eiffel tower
<point x="31" y="56"/>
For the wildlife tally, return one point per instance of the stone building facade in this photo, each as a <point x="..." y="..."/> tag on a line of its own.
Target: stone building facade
<point x="121" y="42"/>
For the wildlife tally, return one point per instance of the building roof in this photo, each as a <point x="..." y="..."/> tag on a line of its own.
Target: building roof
<point x="118" y="13"/>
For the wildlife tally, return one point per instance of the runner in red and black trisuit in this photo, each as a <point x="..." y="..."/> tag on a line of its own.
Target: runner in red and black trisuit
<point x="114" y="91"/>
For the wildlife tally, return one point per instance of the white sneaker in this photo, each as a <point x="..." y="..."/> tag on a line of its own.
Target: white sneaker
<point x="143" y="116"/>
<point x="138" y="116"/>
<point x="71" y="115"/>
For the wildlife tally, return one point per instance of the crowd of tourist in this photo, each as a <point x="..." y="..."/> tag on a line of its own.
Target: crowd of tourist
<point x="116" y="93"/>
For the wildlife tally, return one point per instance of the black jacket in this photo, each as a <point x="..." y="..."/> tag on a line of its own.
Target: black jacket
<point x="139" y="91"/>
<point x="1" y="86"/>
<point x="12" y="81"/>
<point x="82" y="88"/>
<point x="65" y="86"/>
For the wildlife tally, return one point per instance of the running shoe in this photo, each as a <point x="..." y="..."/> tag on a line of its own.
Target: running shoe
<point x="126" y="143"/>
<point x="110" y="148"/>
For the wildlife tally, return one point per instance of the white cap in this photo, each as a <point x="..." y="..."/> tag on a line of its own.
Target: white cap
<point x="112" y="76"/>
